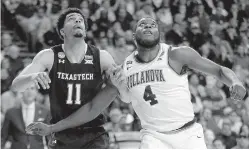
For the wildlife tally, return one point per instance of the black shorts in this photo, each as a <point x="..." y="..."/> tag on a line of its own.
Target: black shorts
<point x="94" y="138"/>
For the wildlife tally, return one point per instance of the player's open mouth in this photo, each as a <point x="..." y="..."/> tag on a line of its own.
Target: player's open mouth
<point x="147" y="32"/>
<point x="77" y="27"/>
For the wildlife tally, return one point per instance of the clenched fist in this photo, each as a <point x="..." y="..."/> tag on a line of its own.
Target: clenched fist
<point x="42" y="78"/>
<point x="237" y="91"/>
<point x="118" y="77"/>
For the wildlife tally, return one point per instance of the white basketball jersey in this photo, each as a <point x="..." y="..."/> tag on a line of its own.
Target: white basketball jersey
<point x="159" y="96"/>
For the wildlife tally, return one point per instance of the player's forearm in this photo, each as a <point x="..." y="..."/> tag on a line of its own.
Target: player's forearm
<point x="22" y="82"/>
<point x="228" y="77"/>
<point x="89" y="111"/>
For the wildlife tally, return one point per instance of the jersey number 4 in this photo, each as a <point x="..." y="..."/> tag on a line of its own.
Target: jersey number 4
<point x="70" y="94"/>
<point x="149" y="96"/>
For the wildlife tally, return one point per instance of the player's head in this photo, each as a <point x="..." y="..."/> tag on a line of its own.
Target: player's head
<point x="146" y="33"/>
<point x="72" y="22"/>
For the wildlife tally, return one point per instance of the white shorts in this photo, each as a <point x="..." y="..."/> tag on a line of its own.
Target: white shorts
<point x="190" y="138"/>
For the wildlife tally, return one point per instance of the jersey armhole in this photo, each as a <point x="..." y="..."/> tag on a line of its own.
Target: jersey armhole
<point x="184" y="68"/>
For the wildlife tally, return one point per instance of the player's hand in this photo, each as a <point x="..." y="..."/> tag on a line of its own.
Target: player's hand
<point x="237" y="91"/>
<point x="42" y="78"/>
<point x="38" y="128"/>
<point x="118" y="77"/>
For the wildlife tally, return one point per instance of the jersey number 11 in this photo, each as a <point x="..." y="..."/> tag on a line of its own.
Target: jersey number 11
<point x="70" y="94"/>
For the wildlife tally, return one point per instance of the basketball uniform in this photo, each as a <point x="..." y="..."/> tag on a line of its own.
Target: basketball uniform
<point x="72" y="86"/>
<point x="162" y="101"/>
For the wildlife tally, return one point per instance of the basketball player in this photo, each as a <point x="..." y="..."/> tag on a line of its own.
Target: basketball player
<point x="75" y="77"/>
<point x="157" y="86"/>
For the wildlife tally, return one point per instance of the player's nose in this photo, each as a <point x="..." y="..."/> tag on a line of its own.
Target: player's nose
<point x="78" y="20"/>
<point x="147" y="26"/>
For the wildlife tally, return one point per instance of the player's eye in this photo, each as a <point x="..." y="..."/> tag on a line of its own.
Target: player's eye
<point x="71" y="18"/>
<point x="142" y="25"/>
<point x="153" y="25"/>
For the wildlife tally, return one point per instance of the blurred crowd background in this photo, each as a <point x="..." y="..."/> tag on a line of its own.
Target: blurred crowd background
<point x="217" y="29"/>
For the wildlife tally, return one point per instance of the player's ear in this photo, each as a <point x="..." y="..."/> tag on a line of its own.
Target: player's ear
<point x="134" y="38"/>
<point x="62" y="32"/>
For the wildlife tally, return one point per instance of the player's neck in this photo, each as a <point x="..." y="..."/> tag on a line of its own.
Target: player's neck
<point x="75" y="50"/>
<point x="75" y="45"/>
<point x="148" y="54"/>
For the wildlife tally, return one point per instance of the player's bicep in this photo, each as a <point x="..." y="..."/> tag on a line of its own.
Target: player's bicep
<point x="188" y="56"/>
<point x="42" y="61"/>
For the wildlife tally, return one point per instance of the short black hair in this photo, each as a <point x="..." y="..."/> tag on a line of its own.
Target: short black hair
<point x="62" y="17"/>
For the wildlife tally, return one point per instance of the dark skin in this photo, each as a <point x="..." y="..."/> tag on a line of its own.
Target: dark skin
<point x="146" y="37"/>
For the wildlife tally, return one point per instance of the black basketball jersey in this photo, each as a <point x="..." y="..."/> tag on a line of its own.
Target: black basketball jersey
<point x="74" y="84"/>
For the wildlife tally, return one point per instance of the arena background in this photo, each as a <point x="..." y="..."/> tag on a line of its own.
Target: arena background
<point x="217" y="29"/>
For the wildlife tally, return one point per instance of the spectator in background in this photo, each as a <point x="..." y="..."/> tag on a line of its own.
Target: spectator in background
<point x="207" y="118"/>
<point x="218" y="144"/>
<point x="146" y="10"/>
<point x="242" y="141"/>
<point x="13" y="54"/>
<point x="44" y="26"/>
<point x="11" y="65"/>
<point x="209" y="137"/>
<point x="16" y="120"/>
<point x="124" y="17"/>
<point x="6" y="41"/>
<point x="236" y="122"/>
<point x="64" y="4"/>
<point x="227" y="135"/>
<point x="121" y="51"/>
<point x="174" y="36"/>
<point x="165" y="18"/>
<point x="244" y="129"/>
<point x="5" y="74"/>
<point x="222" y="50"/>
<point x="51" y="37"/>
<point x="10" y="99"/>
<point x="104" y="16"/>
<point x="127" y="122"/>
<point x="25" y="15"/>
<point x="115" y="117"/>
<point x="204" y="19"/>
<point x="219" y="13"/>
<point x="195" y="36"/>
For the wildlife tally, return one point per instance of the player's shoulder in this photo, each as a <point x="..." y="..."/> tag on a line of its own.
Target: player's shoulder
<point x="180" y="52"/>
<point x="46" y="53"/>
<point x="44" y="57"/>
<point x="104" y="54"/>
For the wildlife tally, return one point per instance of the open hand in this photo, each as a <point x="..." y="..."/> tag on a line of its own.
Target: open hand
<point x="42" y="78"/>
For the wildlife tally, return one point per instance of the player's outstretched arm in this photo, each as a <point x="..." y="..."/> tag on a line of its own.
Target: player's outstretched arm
<point x="34" y="72"/>
<point x="188" y="56"/>
<point x="83" y="115"/>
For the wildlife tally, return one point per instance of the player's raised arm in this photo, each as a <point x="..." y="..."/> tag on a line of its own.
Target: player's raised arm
<point x="87" y="112"/>
<point x="34" y="72"/>
<point x="188" y="56"/>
